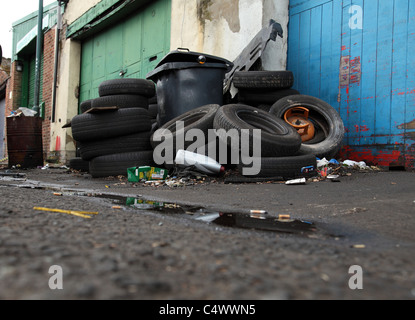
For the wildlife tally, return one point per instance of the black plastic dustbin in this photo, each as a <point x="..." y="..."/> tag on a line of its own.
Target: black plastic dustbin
<point x="187" y="80"/>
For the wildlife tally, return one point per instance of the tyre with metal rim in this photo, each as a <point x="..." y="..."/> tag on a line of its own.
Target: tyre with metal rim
<point x="329" y="127"/>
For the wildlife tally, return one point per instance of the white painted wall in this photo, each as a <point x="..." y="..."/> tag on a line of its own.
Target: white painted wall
<point x="67" y="98"/>
<point x="76" y="8"/>
<point x="68" y="82"/>
<point x="227" y="27"/>
<point x="2" y="127"/>
<point x="275" y="56"/>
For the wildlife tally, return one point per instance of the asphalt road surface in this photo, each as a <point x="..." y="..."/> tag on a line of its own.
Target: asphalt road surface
<point x="351" y="239"/>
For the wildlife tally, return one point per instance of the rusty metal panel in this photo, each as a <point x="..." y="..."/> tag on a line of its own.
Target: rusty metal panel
<point x="356" y="55"/>
<point x="24" y="141"/>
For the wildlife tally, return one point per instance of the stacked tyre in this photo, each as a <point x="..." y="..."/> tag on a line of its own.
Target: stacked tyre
<point x="116" y="139"/>
<point x="272" y="92"/>
<point x="153" y="110"/>
<point x="261" y="89"/>
<point x="328" y="125"/>
<point x="233" y="126"/>
<point x="279" y="142"/>
<point x="174" y="135"/>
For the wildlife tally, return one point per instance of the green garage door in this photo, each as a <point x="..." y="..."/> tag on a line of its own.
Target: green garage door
<point x="32" y="81"/>
<point x="130" y="49"/>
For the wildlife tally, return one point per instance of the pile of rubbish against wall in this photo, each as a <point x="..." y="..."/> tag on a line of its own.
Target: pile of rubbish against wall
<point x="226" y="103"/>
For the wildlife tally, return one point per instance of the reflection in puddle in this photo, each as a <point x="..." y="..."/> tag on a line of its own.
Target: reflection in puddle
<point x="253" y="220"/>
<point x="267" y="224"/>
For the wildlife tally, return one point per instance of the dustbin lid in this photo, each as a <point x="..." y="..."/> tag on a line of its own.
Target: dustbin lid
<point x="183" y="58"/>
<point x="164" y="69"/>
<point x="184" y="55"/>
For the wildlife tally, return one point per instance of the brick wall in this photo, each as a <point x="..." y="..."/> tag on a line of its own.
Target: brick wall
<point x="48" y="74"/>
<point x="14" y="89"/>
<point x="13" y="95"/>
<point x="4" y="76"/>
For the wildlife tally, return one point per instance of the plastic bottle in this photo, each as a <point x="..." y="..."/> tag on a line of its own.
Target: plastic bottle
<point x="202" y="163"/>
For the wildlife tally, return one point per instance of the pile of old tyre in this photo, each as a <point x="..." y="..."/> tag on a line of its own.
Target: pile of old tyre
<point x="283" y="152"/>
<point x="261" y="89"/>
<point x="113" y="132"/>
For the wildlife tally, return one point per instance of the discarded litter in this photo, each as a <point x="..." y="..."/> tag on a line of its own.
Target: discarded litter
<point x="296" y="181"/>
<point x="258" y="212"/>
<point x="258" y="215"/>
<point x="333" y="177"/>
<point x="358" y="246"/>
<point x="284" y="217"/>
<point x="82" y="214"/>
<point x="147" y="173"/>
<point x="143" y="204"/>
<point x="351" y="163"/>
<point x="23" y="112"/>
<point x="324" y="172"/>
<point x="324" y="162"/>
<point x="200" y="162"/>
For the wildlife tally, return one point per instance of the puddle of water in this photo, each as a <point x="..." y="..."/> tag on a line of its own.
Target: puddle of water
<point x="253" y="221"/>
<point x="12" y="176"/>
<point x="262" y="221"/>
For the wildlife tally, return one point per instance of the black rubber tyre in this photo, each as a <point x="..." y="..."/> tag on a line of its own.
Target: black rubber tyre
<point x="264" y="97"/>
<point x="329" y="125"/>
<point x="117" y="164"/>
<point x="131" y="143"/>
<point x="122" y="101"/>
<point x="110" y="124"/>
<point x="263" y="79"/>
<point x="153" y="110"/>
<point x="79" y="164"/>
<point x="264" y="107"/>
<point x="152" y="100"/>
<point x="278" y="138"/>
<point x="142" y="87"/>
<point x="85" y="105"/>
<point x="201" y="118"/>
<point x="304" y="166"/>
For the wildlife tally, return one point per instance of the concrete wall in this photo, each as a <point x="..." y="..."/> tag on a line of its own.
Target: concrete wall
<point x="2" y="127"/>
<point x="224" y="28"/>
<point x="66" y="99"/>
<point x="62" y="143"/>
<point x="77" y="8"/>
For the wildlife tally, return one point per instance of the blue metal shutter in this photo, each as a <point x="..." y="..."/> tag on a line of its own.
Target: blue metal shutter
<point x="357" y="56"/>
